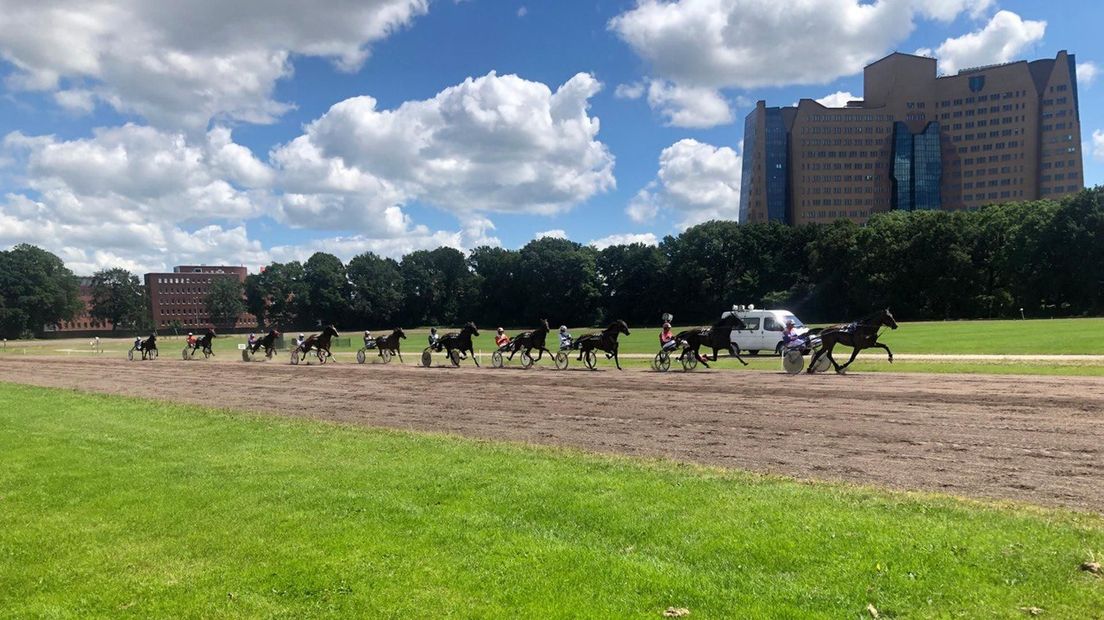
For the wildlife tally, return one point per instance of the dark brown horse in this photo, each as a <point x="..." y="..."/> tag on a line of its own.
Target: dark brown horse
<point x="717" y="337"/>
<point x="461" y="342"/>
<point x="606" y="341"/>
<point x="268" y="343"/>
<point x="203" y="343"/>
<point x="533" y="340"/>
<point x="320" y="343"/>
<point x="862" y="334"/>
<point x="391" y="343"/>
<point x="148" y="347"/>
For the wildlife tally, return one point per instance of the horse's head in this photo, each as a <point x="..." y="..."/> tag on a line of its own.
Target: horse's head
<point x="274" y="334"/>
<point x="732" y="321"/>
<point x="622" y="327"/>
<point x="152" y="338"/>
<point x="544" y="324"/>
<point x="887" y="319"/>
<point x="331" y="330"/>
<point x="211" y="333"/>
<point x="399" y="332"/>
<point x="471" y="328"/>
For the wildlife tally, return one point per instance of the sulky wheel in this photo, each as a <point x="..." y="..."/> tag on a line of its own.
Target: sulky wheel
<point x="526" y="360"/>
<point x="245" y="355"/>
<point x="822" y="364"/>
<point x="207" y="353"/>
<point x="322" y="355"/>
<point x="792" y="361"/>
<point x="360" y="356"/>
<point x="662" y="361"/>
<point x="689" y="362"/>
<point x="386" y="354"/>
<point x="295" y="357"/>
<point x="130" y="355"/>
<point x="427" y="357"/>
<point x="454" y="357"/>
<point x="152" y="354"/>
<point x="496" y="359"/>
<point x="185" y="354"/>
<point x="561" y="360"/>
<point x="590" y="358"/>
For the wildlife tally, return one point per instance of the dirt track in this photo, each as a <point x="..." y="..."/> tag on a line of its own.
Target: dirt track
<point x="1034" y="439"/>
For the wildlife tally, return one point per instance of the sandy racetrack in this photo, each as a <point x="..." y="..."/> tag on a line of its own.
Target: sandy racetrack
<point x="1034" y="439"/>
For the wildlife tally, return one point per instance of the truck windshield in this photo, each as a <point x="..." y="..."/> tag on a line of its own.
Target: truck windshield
<point x="796" y="321"/>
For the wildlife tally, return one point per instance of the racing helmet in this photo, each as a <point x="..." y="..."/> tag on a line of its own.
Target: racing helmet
<point x="666" y="326"/>
<point x="500" y="330"/>
<point x="563" y="328"/>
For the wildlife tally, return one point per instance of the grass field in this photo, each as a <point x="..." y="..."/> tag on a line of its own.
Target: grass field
<point x="1037" y="337"/>
<point x="122" y="507"/>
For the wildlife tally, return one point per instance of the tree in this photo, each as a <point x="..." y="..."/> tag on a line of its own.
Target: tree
<point x="118" y="296"/>
<point x="499" y="301"/>
<point x="36" y="290"/>
<point x="633" y="283"/>
<point x="438" y="287"/>
<point x="327" y="288"/>
<point x="277" y="295"/>
<point x="558" y="280"/>
<point x="375" y="290"/>
<point x="225" y="301"/>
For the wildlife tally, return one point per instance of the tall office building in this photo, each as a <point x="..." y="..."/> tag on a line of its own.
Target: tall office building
<point x="917" y="141"/>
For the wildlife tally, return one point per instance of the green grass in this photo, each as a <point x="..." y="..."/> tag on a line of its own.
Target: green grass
<point x="118" y="507"/>
<point x="1036" y="337"/>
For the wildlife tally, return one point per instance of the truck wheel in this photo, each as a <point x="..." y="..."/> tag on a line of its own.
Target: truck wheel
<point x="753" y="351"/>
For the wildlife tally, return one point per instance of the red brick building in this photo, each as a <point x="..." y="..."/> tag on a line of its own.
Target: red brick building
<point x="182" y="296"/>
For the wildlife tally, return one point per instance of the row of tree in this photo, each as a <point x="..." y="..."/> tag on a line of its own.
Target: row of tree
<point x="1041" y="258"/>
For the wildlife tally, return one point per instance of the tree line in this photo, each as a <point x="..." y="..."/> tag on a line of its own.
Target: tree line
<point x="1045" y="257"/>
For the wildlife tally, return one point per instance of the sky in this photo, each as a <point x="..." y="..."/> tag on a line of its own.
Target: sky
<point x="150" y="133"/>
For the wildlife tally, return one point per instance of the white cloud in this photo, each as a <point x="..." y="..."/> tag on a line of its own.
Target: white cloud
<point x="522" y="11"/>
<point x="151" y="197"/>
<point x="491" y="144"/>
<point x="1003" y="39"/>
<point x="837" y="99"/>
<point x="625" y="239"/>
<point x="698" y="181"/>
<point x="1098" y="144"/>
<point x="555" y="233"/>
<point x="1087" y="73"/>
<point x="180" y="64"/>
<point x="77" y="101"/>
<point x="688" y="106"/>
<point x="630" y="91"/>
<point x="708" y="45"/>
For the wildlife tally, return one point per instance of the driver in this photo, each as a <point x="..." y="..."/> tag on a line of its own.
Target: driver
<point x="434" y="339"/>
<point x="252" y="339"/>
<point x="667" y="338"/>
<point x="368" y="340"/>
<point x="501" y="339"/>
<point x="790" y="338"/>
<point x="191" y="340"/>
<point x="300" y="340"/>
<point x="565" y="337"/>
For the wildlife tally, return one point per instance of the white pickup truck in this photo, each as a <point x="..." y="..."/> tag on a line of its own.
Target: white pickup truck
<point x="763" y="331"/>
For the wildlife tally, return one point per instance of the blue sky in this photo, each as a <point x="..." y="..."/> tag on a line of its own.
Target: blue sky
<point x="143" y="135"/>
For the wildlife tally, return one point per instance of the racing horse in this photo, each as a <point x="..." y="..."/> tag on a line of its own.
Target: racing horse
<point x="606" y="341"/>
<point x="859" y="335"/>
<point x="391" y="343"/>
<point x="461" y="342"/>
<point x="203" y="343"/>
<point x="148" y="347"/>
<point x="717" y="337"/>
<point x="320" y="343"/>
<point x="533" y="340"/>
<point x="268" y="343"/>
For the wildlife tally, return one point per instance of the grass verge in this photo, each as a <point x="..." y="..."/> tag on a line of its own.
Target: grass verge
<point x="114" y="506"/>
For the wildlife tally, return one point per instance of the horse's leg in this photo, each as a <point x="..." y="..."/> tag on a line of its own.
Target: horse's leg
<point x="471" y="348"/>
<point x="399" y="353"/>
<point x="882" y="346"/>
<point x="581" y="351"/>
<point x="737" y="356"/>
<point x="854" y="354"/>
<point x="616" y="360"/>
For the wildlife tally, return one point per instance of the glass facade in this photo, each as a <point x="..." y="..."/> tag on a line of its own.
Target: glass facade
<point x="750" y="148"/>
<point x="927" y="168"/>
<point x="917" y="168"/>
<point x="777" y="165"/>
